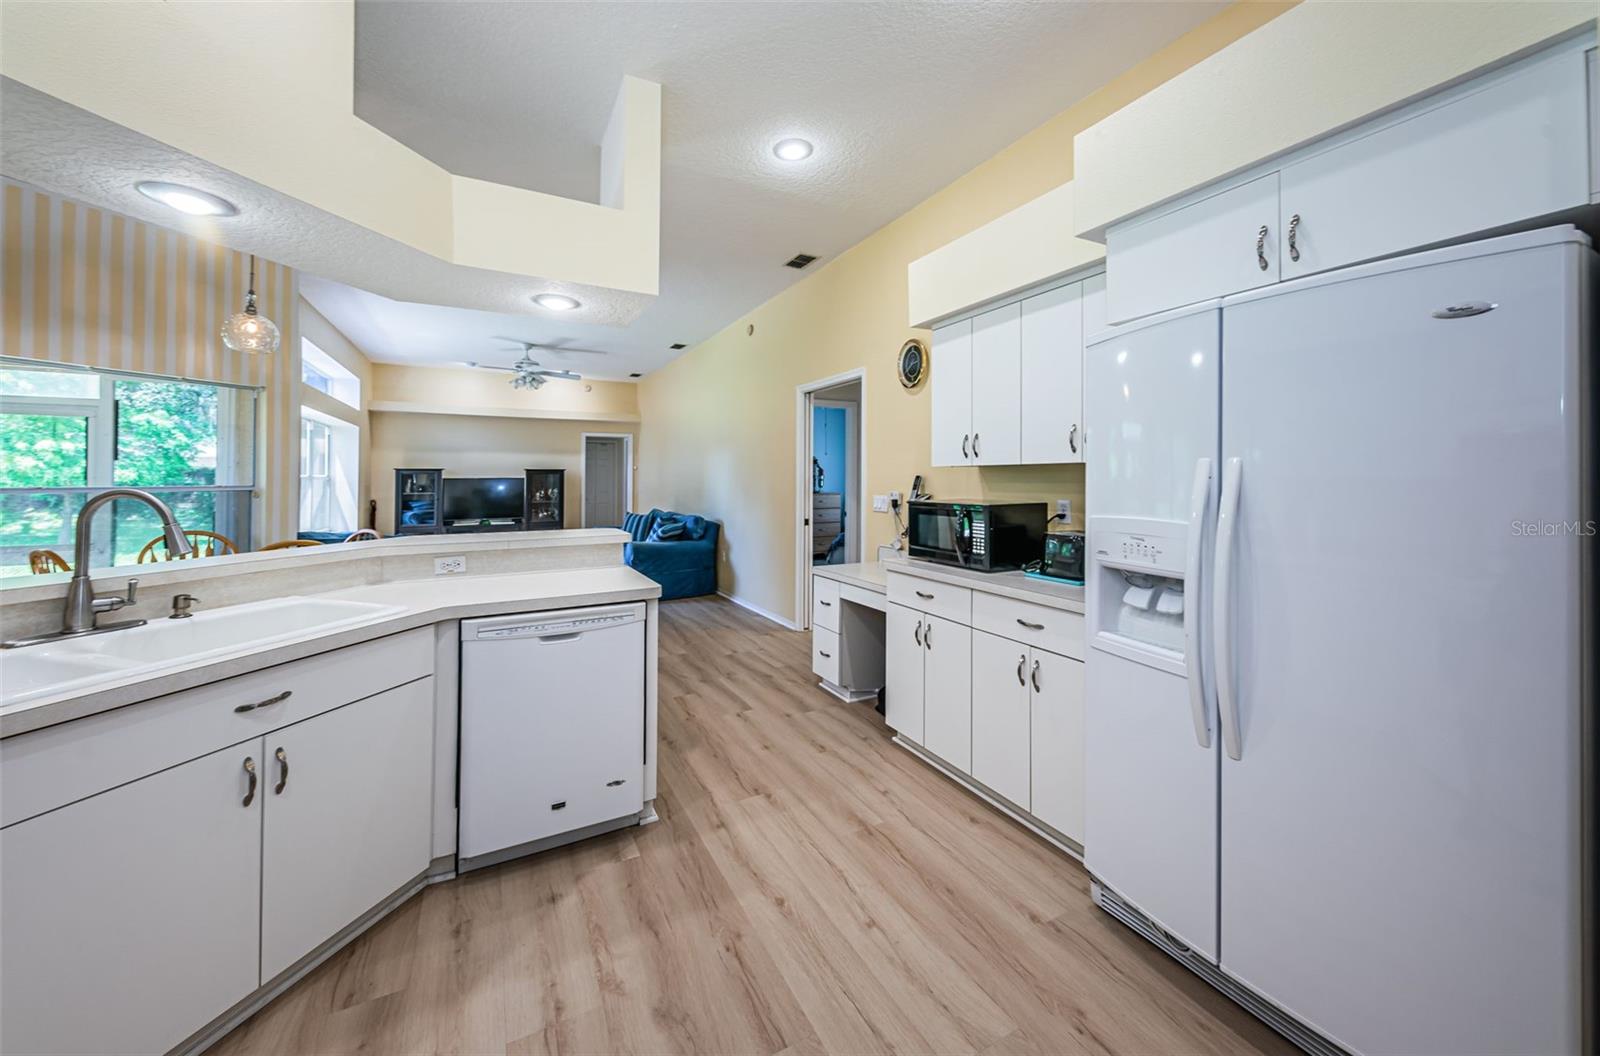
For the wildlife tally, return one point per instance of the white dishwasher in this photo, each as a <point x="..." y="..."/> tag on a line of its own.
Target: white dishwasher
<point x="552" y="729"/>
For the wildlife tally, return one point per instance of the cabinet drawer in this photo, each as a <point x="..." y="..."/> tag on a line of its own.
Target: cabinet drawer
<point x="825" y="654"/>
<point x="938" y="599"/>
<point x="1031" y="624"/>
<point x="1517" y="149"/>
<point x="1200" y="251"/>
<point x="48" y="768"/>
<point x="825" y="603"/>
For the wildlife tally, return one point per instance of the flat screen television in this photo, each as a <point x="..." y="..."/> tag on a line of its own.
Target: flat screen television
<point x="482" y="498"/>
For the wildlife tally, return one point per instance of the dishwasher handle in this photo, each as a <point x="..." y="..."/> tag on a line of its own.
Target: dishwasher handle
<point x="570" y="636"/>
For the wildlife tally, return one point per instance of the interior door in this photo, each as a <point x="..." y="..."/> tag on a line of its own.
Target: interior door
<point x="130" y="919"/>
<point x="903" y="657"/>
<point x="349" y="803"/>
<point x="997" y="387"/>
<point x="1052" y="376"/>
<point x="950" y="367"/>
<point x="1001" y="717"/>
<point x="604" y="471"/>
<point x="1056" y="693"/>
<point x="947" y="692"/>
<point x="1400" y="851"/>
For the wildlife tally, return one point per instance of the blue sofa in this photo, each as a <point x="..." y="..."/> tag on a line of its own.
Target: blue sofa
<point x="685" y="564"/>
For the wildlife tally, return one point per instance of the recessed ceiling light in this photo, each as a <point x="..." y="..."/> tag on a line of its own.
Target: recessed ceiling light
<point x="556" y="302"/>
<point x="186" y="199"/>
<point x="792" y="149"/>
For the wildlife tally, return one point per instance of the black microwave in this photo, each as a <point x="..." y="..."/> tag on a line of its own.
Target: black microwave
<point x="983" y="536"/>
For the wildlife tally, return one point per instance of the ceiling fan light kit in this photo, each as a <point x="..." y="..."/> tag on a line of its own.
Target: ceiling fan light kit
<point x="526" y="371"/>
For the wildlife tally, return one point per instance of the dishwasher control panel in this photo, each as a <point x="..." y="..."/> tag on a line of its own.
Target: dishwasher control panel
<point x="539" y="625"/>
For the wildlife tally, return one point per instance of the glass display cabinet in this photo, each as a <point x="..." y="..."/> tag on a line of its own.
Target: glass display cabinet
<point x="545" y="499"/>
<point x="418" y="509"/>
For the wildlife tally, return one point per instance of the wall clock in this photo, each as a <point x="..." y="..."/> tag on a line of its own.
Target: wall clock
<point x="913" y="363"/>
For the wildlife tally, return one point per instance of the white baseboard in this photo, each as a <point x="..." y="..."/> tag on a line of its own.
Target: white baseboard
<point x="759" y="611"/>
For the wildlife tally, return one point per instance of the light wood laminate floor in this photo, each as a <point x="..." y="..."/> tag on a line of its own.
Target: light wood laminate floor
<point x="810" y="888"/>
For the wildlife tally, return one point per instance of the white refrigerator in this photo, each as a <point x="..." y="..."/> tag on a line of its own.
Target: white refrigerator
<point x="1341" y="596"/>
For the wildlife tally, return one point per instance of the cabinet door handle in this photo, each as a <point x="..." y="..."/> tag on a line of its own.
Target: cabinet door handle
<point x="283" y="771"/>
<point x="1072" y="438"/>
<point x="964" y="452"/>
<point x="927" y="636"/>
<point x="825" y="604"/>
<point x="1030" y="626"/>
<point x="917" y="634"/>
<point x="1022" y="662"/>
<point x="279" y="699"/>
<point x="1261" y="248"/>
<point x="826" y="656"/>
<point x="250" y="793"/>
<point x="1294" y="227"/>
<point x="1036" y="677"/>
<point x="974" y="445"/>
<point x="924" y="596"/>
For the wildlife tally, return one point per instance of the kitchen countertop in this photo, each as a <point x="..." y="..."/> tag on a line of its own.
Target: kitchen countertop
<point x="1006" y="584"/>
<point x="868" y="575"/>
<point x="424" y="602"/>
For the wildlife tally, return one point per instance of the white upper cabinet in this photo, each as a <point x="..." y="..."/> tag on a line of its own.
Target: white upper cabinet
<point x="997" y="386"/>
<point x="1222" y="244"/>
<point x="1514" y="149"/>
<point x="1052" y="376"/>
<point x="950" y="367"/>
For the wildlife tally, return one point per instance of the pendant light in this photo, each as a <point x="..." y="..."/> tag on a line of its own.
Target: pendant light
<point x="249" y="331"/>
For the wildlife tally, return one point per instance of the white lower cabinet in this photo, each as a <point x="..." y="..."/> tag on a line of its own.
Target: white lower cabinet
<point x="1056" y="688"/>
<point x="903" y="671"/>
<point x="348" y="818"/>
<point x="131" y="918"/>
<point x="1000" y="716"/>
<point x="947" y="692"/>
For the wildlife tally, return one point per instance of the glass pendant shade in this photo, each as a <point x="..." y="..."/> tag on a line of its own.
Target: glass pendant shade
<point x="250" y="331"/>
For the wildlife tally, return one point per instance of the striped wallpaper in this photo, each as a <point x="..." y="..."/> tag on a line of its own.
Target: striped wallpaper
<point x="85" y="286"/>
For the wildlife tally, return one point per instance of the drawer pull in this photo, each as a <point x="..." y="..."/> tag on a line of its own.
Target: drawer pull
<point x="1036" y="688"/>
<point x="279" y="699"/>
<point x="825" y="655"/>
<point x="1030" y="626"/>
<point x="283" y="772"/>
<point x="924" y="597"/>
<point x="1261" y="248"/>
<point x="250" y="793"/>
<point x="1021" y="663"/>
<point x="825" y="604"/>
<point x="1294" y="230"/>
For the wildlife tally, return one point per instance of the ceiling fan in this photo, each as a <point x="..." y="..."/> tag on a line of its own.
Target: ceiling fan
<point x="527" y="374"/>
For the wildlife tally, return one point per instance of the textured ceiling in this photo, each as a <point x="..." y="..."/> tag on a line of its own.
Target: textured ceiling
<point x="900" y="98"/>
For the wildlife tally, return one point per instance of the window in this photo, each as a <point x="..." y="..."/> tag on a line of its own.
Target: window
<point x="322" y="372"/>
<point x="67" y="434"/>
<point x="330" y="454"/>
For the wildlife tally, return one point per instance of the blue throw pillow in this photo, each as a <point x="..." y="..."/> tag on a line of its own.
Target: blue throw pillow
<point x="667" y="528"/>
<point x="637" y="525"/>
<point x="694" y="526"/>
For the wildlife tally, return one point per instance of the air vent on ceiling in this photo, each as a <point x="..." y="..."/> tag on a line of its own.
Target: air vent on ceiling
<point x="800" y="260"/>
<point x="677" y="345"/>
<point x="636" y="374"/>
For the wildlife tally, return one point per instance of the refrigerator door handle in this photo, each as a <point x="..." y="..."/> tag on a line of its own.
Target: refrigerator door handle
<point x="1199" y="501"/>
<point x="1222" y="606"/>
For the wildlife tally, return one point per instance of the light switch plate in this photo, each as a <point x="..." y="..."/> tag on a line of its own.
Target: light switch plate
<point x="880" y="504"/>
<point x="449" y="566"/>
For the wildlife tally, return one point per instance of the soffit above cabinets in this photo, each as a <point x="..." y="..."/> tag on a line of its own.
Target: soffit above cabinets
<point x="1312" y="71"/>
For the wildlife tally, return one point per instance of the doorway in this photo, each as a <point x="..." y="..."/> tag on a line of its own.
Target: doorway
<point x="607" y="482"/>
<point x="831" y="485"/>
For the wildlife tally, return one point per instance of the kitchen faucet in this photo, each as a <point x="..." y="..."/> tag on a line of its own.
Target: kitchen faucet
<point x="83" y="607"/>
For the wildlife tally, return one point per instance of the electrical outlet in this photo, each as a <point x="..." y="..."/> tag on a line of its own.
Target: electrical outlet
<point x="449" y="566"/>
<point x="894" y="500"/>
<point x="880" y="504"/>
<point x="1064" y="510"/>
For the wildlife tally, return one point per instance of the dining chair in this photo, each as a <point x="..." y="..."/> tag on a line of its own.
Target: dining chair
<point x="42" y="562"/>
<point x="206" y="544"/>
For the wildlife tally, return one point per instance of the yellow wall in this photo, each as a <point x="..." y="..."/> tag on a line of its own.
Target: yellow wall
<point x="314" y="327"/>
<point x="480" y="446"/>
<point x="719" y="430"/>
<point x="93" y="288"/>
